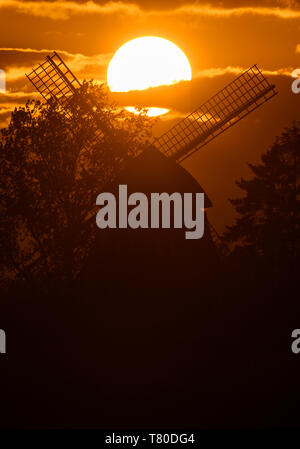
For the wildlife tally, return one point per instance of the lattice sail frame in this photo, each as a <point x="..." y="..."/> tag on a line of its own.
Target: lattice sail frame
<point x="236" y="100"/>
<point x="55" y="81"/>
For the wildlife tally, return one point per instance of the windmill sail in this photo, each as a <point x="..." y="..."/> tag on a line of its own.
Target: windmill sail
<point x="54" y="80"/>
<point x="236" y="100"/>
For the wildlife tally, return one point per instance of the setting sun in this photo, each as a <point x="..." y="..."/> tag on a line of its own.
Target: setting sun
<point x="147" y="62"/>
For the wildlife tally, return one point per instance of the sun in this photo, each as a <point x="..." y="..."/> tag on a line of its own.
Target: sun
<point x="145" y="62"/>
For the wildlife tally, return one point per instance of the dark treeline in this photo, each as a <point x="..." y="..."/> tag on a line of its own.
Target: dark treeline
<point x="213" y="352"/>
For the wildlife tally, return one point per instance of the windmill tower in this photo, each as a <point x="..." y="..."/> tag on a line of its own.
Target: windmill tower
<point x="159" y="170"/>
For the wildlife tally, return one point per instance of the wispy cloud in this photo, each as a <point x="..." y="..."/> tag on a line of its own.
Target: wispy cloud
<point x="87" y="66"/>
<point x="208" y="10"/>
<point x="63" y="9"/>
<point x="16" y="98"/>
<point x="220" y="71"/>
<point x="279" y="72"/>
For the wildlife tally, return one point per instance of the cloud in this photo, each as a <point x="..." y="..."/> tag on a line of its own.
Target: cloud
<point x="220" y="71"/>
<point x="298" y="48"/>
<point x="17" y="98"/>
<point x="207" y="10"/>
<point x="19" y="61"/>
<point x="63" y="9"/>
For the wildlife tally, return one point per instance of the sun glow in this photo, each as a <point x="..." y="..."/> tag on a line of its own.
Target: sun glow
<point x="146" y="62"/>
<point x="151" y="112"/>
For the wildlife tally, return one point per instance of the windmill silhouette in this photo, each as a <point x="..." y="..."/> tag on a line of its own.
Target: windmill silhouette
<point x="160" y="169"/>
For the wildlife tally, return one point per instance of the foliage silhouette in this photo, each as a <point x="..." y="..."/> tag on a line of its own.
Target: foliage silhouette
<point x="267" y="231"/>
<point x="52" y="169"/>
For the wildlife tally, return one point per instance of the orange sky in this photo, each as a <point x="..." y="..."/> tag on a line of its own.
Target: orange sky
<point x="220" y="39"/>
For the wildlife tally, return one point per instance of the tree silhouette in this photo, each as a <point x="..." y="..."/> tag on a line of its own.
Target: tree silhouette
<point x="52" y="168"/>
<point x="268" y="226"/>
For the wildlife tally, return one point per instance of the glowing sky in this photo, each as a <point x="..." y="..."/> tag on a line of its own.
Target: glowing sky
<point x="219" y="41"/>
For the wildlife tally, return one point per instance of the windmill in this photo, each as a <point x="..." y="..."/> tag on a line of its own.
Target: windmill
<point x="56" y="82"/>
